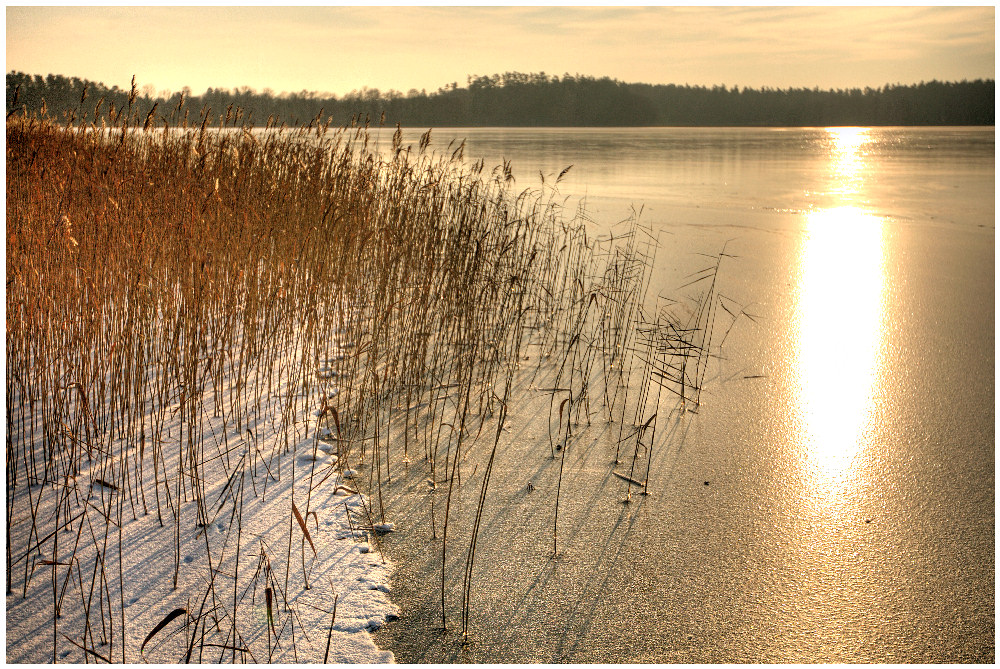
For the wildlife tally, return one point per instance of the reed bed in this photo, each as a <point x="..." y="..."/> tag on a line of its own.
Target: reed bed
<point x="208" y="331"/>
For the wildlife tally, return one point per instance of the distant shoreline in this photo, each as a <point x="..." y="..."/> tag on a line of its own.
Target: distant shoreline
<point x="512" y="100"/>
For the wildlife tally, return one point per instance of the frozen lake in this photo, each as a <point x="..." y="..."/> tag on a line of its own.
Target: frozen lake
<point x="833" y="500"/>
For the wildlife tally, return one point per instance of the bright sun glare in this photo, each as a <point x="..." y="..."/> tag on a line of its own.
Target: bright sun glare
<point x="848" y="160"/>
<point x="840" y="321"/>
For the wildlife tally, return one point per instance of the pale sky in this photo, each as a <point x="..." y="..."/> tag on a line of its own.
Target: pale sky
<point x="339" y="49"/>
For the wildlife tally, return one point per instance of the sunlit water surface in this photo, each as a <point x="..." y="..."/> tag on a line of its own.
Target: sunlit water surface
<point x="849" y="432"/>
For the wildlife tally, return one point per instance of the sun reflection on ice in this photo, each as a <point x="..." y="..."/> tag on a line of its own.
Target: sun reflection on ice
<point x="840" y="328"/>
<point x="840" y="334"/>
<point x="847" y="160"/>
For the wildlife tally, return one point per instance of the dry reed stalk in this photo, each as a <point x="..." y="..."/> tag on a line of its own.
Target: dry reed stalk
<point x="171" y="291"/>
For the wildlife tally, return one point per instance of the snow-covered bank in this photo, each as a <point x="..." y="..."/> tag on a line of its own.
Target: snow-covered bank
<point x="287" y="569"/>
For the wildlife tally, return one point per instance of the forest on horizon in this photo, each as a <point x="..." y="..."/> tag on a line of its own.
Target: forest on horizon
<point x="512" y="99"/>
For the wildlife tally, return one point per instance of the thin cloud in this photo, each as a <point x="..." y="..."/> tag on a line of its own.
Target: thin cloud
<point x="344" y="48"/>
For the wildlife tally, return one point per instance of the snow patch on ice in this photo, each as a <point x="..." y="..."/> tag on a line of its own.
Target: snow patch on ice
<point x="262" y="488"/>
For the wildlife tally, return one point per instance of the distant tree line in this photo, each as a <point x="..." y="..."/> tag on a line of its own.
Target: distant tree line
<point x="513" y="99"/>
